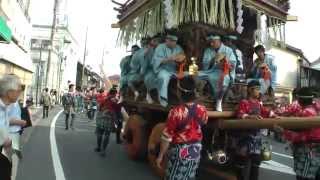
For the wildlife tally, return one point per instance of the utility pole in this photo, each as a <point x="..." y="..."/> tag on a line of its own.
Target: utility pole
<point x="84" y="57"/>
<point x="38" y="73"/>
<point x="54" y="23"/>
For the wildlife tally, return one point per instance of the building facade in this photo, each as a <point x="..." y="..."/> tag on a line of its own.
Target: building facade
<point x="15" y="35"/>
<point x="62" y="52"/>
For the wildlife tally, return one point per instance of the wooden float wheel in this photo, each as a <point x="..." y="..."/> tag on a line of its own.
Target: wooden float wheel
<point x="135" y="137"/>
<point x="154" y="149"/>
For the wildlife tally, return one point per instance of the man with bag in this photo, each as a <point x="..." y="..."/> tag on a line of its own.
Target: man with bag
<point x="68" y="102"/>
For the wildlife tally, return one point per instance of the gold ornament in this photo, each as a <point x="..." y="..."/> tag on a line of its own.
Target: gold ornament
<point x="193" y="68"/>
<point x="266" y="151"/>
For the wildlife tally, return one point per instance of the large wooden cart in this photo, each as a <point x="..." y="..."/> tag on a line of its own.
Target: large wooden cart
<point x="193" y="20"/>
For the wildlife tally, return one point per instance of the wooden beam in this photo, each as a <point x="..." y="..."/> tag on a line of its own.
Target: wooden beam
<point x="285" y="122"/>
<point x="117" y="3"/>
<point x="225" y="114"/>
<point x="115" y="25"/>
<point x="138" y="8"/>
<point x="266" y="7"/>
<point x="292" y="18"/>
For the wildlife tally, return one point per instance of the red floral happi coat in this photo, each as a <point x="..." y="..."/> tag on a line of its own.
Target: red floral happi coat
<point x="191" y="132"/>
<point x="253" y="107"/>
<point x="295" y="109"/>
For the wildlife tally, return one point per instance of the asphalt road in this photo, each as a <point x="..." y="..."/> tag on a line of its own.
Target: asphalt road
<point x="80" y="162"/>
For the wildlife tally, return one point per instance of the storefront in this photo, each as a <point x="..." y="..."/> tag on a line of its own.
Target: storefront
<point x="14" y="60"/>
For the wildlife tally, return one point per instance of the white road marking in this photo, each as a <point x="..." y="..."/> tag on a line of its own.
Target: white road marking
<point x="283" y="155"/>
<point x="58" y="170"/>
<point x="275" y="166"/>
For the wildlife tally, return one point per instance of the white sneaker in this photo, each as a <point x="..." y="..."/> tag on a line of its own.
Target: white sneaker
<point x="136" y="95"/>
<point x="219" y="105"/>
<point x="149" y="99"/>
<point x="163" y="102"/>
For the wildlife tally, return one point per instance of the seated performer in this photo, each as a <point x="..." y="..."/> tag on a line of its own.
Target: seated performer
<point x="264" y="70"/>
<point x="125" y="69"/>
<point x="165" y="60"/>
<point x="219" y="74"/>
<point x="136" y="63"/>
<point x="149" y="76"/>
<point x="305" y="143"/>
<point x="230" y="42"/>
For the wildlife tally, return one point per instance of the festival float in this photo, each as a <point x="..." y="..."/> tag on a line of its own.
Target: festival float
<point x="253" y="21"/>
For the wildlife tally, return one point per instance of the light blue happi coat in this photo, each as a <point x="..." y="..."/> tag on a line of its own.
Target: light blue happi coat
<point x="125" y="69"/>
<point x="214" y="73"/>
<point x="164" y="71"/>
<point x="270" y="61"/>
<point x="149" y="76"/>
<point x="136" y="63"/>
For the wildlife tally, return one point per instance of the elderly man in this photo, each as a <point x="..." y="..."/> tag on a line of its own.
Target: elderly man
<point x="125" y="69"/>
<point x="164" y="61"/>
<point x="264" y="70"/>
<point x="219" y="74"/>
<point x="10" y="89"/>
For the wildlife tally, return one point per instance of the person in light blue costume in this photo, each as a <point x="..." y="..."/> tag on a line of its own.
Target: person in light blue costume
<point x="165" y="65"/>
<point x="262" y="65"/>
<point x="137" y="62"/>
<point x="125" y="69"/>
<point x="213" y="72"/>
<point x="230" y="41"/>
<point x="149" y="76"/>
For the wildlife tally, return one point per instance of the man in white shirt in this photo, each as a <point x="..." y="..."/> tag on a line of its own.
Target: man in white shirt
<point x="14" y="113"/>
<point x="10" y="90"/>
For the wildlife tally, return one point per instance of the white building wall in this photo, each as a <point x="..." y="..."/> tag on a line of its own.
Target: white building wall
<point x="19" y="53"/>
<point x="288" y="65"/>
<point x="316" y="66"/>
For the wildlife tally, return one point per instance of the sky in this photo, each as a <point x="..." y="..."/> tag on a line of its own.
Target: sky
<point x="304" y="34"/>
<point x="98" y="15"/>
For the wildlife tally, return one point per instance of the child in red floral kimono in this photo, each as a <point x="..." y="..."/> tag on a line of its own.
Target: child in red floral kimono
<point x="305" y="143"/>
<point x="250" y="141"/>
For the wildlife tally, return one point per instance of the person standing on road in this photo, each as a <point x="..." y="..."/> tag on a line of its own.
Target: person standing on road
<point x="182" y="135"/>
<point x="46" y="102"/>
<point x="68" y="102"/>
<point x="105" y="121"/>
<point x="93" y="103"/>
<point x="79" y="100"/>
<point x="305" y="143"/>
<point x="10" y="89"/>
<point x="249" y="143"/>
<point x="53" y="98"/>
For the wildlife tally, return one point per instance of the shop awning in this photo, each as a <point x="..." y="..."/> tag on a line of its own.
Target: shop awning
<point x="5" y="32"/>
